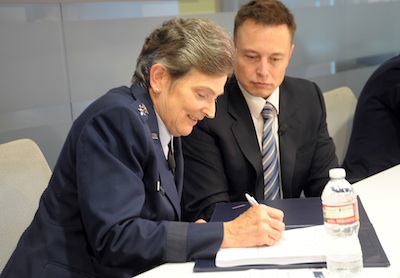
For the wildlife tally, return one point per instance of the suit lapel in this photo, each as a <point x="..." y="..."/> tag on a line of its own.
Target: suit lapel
<point x="288" y="141"/>
<point x="179" y="165"/>
<point x="244" y="132"/>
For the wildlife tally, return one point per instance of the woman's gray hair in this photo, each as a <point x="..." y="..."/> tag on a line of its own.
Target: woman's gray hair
<point x="183" y="44"/>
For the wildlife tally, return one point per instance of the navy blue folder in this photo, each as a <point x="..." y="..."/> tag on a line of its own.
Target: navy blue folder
<point x="300" y="212"/>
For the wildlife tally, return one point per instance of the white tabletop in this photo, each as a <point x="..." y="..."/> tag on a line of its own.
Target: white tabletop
<point x="380" y="195"/>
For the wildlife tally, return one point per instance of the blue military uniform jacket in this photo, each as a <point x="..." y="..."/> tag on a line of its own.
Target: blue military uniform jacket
<point x="112" y="207"/>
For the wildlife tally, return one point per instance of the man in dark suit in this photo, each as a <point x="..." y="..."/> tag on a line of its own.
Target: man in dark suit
<point x="375" y="139"/>
<point x="223" y="157"/>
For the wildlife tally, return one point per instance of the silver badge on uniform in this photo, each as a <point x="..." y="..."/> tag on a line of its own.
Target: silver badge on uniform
<point x="143" y="110"/>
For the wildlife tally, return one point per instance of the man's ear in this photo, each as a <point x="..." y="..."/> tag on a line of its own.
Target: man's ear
<point x="291" y="51"/>
<point x="158" y="74"/>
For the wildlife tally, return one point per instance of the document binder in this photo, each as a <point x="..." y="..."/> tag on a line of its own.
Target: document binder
<point x="300" y="212"/>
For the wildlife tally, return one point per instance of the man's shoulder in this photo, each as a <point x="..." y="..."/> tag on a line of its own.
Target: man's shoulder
<point x="295" y="82"/>
<point x="300" y="88"/>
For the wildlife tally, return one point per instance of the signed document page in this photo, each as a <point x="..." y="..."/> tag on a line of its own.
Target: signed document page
<point x="297" y="246"/>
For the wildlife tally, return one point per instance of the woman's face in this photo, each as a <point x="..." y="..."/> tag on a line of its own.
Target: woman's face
<point x="183" y="102"/>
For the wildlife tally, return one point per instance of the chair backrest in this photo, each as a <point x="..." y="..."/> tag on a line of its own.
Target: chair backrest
<point x="340" y="108"/>
<point x="24" y="174"/>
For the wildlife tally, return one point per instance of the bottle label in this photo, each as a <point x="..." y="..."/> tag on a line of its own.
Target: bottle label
<point x="346" y="214"/>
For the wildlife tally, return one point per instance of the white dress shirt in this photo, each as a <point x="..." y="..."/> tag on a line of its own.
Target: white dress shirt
<point x="165" y="136"/>
<point x="256" y="105"/>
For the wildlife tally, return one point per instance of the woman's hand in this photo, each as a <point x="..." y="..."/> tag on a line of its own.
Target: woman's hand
<point x="260" y="225"/>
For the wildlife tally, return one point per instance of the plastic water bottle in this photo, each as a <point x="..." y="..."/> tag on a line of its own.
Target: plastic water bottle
<point x="341" y="221"/>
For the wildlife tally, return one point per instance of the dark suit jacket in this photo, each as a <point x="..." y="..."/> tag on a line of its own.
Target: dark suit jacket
<point x="223" y="158"/>
<point x="102" y="214"/>
<point x="375" y="139"/>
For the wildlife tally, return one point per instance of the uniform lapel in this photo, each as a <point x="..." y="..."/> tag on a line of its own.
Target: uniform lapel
<point x="167" y="181"/>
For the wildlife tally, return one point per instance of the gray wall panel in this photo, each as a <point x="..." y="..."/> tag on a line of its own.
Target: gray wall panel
<point x="33" y="76"/>
<point x="56" y="58"/>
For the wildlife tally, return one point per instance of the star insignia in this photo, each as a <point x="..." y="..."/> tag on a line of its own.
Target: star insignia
<point x="143" y="110"/>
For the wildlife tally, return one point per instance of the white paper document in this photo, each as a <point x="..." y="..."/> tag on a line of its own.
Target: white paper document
<point x="302" y="245"/>
<point x="266" y="273"/>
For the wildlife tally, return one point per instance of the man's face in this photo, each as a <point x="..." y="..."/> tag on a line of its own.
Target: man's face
<point x="262" y="56"/>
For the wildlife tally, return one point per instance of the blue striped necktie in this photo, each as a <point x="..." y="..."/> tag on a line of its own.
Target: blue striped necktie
<point x="269" y="156"/>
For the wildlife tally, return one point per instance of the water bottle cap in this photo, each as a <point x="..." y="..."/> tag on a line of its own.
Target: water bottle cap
<point x="337" y="173"/>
